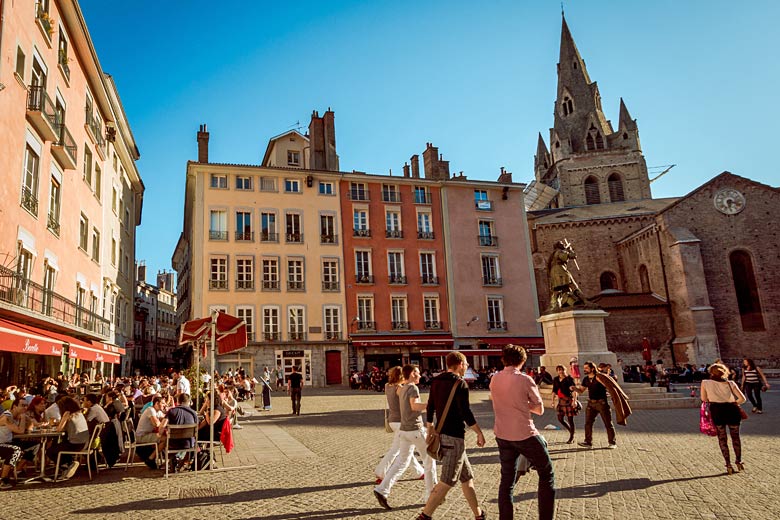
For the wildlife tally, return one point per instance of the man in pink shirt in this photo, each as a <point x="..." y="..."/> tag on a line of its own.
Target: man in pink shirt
<point x="515" y="397"/>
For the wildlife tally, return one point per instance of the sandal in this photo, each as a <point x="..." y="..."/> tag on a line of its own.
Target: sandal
<point x="482" y="515"/>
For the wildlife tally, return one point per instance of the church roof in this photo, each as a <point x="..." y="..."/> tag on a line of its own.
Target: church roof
<point x="722" y="175"/>
<point x="627" y="208"/>
<point x="621" y="300"/>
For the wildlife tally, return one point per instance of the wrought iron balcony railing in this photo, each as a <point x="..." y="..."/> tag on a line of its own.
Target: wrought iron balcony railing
<point x="366" y="325"/>
<point x="53" y="224"/>
<point x="218" y="235"/>
<point x="492" y="280"/>
<point x="332" y="335"/>
<point x="364" y="278"/>
<point x="296" y="335"/>
<point x="266" y="236"/>
<point x="396" y="279"/>
<point x="496" y="325"/>
<point x="271" y="336"/>
<point x="295" y="285"/>
<point x="399" y="325"/>
<point x="329" y="239"/>
<point x="361" y="232"/>
<point x="245" y="285"/>
<point x="245" y="236"/>
<point x="29" y="200"/>
<point x="426" y="235"/>
<point x="488" y="240"/>
<point x="218" y="285"/>
<point x="428" y="279"/>
<point x="432" y="325"/>
<point x="357" y="195"/>
<point x="391" y="196"/>
<point x="330" y="286"/>
<point x="394" y="233"/>
<point x="294" y="238"/>
<point x="270" y="285"/>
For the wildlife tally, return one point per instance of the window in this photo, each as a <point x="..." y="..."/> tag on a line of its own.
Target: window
<point x="245" y="274"/>
<point x="127" y="220"/>
<point x="365" y="313"/>
<point x="30" y="182"/>
<point x="113" y="251"/>
<point x="98" y="181"/>
<point x="332" y="322"/>
<point x="328" y="229"/>
<point x="53" y="223"/>
<point x="393" y="224"/>
<point x="296" y="327"/>
<point x="293" y="158"/>
<point x="644" y="279"/>
<point x="114" y="161"/>
<point x="330" y="275"/>
<point x="481" y="201"/>
<point x="567" y="105"/>
<point x="421" y="195"/>
<point x="431" y="312"/>
<point x="113" y="199"/>
<point x="295" y="275"/>
<point x="363" y="267"/>
<point x="398" y="314"/>
<point x="87" y="175"/>
<point x="271" y="323"/>
<point x="247" y="313"/>
<point x="244" y="226"/>
<point x="219" y="181"/>
<point x="218" y="277"/>
<point x="495" y="313"/>
<point x="268" y="184"/>
<point x="20" y="62"/>
<point x="424" y="228"/>
<point x="486" y="237"/>
<point x="615" y="185"/>
<point x="428" y="269"/>
<point x="395" y="267"/>
<point x="292" y="186"/>
<point x="592" y="195"/>
<point x="326" y="188"/>
<point x="81" y="297"/>
<point x="49" y="274"/>
<point x="608" y="281"/>
<point x="62" y="54"/>
<point x="244" y="182"/>
<point x="270" y="274"/>
<point x="358" y="191"/>
<point x="83" y="232"/>
<point x="293" y="227"/>
<point x="121" y="253"/>
<point x="746" y="291"/>
<point x="594" y="140"/>
<point x="390" y="193"/>
<point x="360" y="223"/>
<point x="268" y="227"/>
<point x="490" y="272"/>
<point x="218" y="225"/>
<point x="95" y="245"/>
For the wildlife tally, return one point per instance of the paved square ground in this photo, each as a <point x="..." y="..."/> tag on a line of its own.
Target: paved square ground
<point x="319" y="465"/>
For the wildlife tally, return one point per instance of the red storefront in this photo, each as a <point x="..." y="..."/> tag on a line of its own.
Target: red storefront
<point x="386" y="350"/>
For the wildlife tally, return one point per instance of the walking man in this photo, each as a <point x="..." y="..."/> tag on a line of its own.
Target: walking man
<point x="279" y="377"/>
<point x="455" y="464"/>
<point x="515" y="397"/>
<point x="598" y="404"/>
<point x="294" y="387"/>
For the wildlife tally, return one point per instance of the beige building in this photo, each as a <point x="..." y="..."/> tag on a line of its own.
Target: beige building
<point x="72" y="198"/>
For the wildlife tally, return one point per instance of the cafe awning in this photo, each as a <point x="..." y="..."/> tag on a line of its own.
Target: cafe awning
<point x="230" y="332"/>
<point x="408" y="340"/>
<point x="465" y="352"/>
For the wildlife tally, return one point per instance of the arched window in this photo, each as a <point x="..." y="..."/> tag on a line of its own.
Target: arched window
<point x="594" y="140"/>
<point x="567" y="105"/>
<point x="592" y="195"/>
<point x="615" y="184"/>
<point x="746" y="290"/>
<point x="644" y="279"/>
<point x="608" y="281"/>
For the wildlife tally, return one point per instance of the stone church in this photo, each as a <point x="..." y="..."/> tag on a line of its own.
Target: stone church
<point x="697" y="275"/>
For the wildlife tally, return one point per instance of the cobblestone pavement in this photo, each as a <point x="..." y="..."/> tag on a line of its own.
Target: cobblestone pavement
<point x="319" y="465"/>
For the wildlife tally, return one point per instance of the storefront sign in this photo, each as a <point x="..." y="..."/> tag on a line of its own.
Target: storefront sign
<point x="292" y="353"/>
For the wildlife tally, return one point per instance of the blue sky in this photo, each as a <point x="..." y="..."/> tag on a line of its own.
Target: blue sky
<point x="477" y="79"/>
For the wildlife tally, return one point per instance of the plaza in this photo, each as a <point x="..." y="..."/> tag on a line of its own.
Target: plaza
<point x="319" y="465"/>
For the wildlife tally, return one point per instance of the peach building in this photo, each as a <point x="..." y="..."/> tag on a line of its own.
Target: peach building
<point x="71" y="199"/>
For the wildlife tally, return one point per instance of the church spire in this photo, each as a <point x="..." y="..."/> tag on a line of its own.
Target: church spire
<point x="569" y="58"/>
<point x="625" y="122"/>
<point x="542" y="157"/>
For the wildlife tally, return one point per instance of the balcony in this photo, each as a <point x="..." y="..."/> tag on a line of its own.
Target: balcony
<point x="361" y="195"/>
<point x="492" y="281"/>
<point x="245" y="285"/>
<point x="331" y="286"/>
<point x="366" y="325"/>
<point x="295" y="285"/>
<point x="391" y="196"/>
<point x="17" y="292"/>
<point x="296" y="335"/>
<point x="40" y="112"/>
<point x="53" y="224"/>
<point x="487" y="240"/>
<point x="364" y="233"/>
<point x="218" y="285"/>
<point x="332" y="335"/>
<point x="425" y="235"/>
<point x="245" y="236"/>
<point x="396" y="279"/>
<point x="394" y="233"/>
<point x="399" y="325"/>
<point x="270" y="285"/>
<point x="29" y="200"/>
<point x="64" y="148"/>
<point x="218" y="235"/>
<point x="329" y="239"/>
<point x="270" y="336"/>
<point x="496" y="325"/>
<point x="294" y="238"/>
<point x="433" y="325"/>
<point x="428" y="279"/>
<point x="422" y="198"/>
<point x="265" y="236"/>
<point x="483" y="205"/>
<point x="364" y="278"/>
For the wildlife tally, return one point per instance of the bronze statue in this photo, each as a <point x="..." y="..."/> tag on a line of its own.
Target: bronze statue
<point x="564" y="291"/>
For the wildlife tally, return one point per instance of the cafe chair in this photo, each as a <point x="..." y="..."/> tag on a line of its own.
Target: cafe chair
<point x="128" y="432"/>
<point x="180" y="432"/>
<point x="90" y="449"/>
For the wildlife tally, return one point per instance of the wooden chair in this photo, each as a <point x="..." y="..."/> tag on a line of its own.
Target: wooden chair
<point x="180" y="432"/>
<point x="91" y="448"/>
<point x="130" y="443"/>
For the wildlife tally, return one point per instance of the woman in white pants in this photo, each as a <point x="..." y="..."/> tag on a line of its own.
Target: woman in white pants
<point x="394" y="382"/>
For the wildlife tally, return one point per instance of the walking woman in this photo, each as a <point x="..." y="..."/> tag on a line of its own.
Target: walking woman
<point x="753" y="383"/>
<point x="394" y="382"/>
<point x="566" y="400"/>
<point x="725" y="398"/>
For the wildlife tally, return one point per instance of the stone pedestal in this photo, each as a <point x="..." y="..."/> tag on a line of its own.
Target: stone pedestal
<point x="576" y="334"/>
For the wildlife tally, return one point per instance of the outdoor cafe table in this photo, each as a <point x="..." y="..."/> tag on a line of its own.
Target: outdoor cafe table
<point x="42" y="436"/>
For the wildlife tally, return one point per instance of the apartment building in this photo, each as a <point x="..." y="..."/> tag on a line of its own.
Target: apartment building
<point x="72" y="199"/>
<point x="155" y="333"/>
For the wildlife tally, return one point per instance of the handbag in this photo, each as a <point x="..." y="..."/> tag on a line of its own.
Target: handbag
<point x="433" y="441"/>
<point x="706" y="425"/>
<point x="742" y="413"/>
<point x="388" y="429"/>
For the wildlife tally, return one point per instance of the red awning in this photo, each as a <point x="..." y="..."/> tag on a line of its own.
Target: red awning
<point x="440" y="340"/>
<point x="465" y="352"/>
<point x="230" y="332"/>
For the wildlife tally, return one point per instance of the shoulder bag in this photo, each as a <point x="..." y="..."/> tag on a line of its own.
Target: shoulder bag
<point x="742" y="412"/>
<point x="433" y="441"/>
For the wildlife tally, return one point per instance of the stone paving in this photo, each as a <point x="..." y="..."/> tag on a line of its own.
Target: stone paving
<point x="319" y="465"/>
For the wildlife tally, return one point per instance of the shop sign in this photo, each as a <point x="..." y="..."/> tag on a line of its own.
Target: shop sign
<point x="292" y="353"/>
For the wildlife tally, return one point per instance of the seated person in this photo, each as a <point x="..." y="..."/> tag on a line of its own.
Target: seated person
<point x="217" y="418"/>
<point x="95" y="414"/>
<point x="180" y="415"/>
<point x="15" y="422"/>
<point x="10" y="455"/>
<point x="148" y="428"/>
<point x="113" y="406"/>
<point x="74" y="424"/>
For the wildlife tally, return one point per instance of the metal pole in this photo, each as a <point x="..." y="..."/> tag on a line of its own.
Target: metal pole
<point x="211" y="389"/>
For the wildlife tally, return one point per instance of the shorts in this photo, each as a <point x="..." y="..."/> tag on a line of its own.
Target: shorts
<point x="455" y="465"/>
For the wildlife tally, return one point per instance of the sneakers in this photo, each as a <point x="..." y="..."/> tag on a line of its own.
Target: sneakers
<point x="755" y="409"/>
<point x="5" y="484"/>
<point x="612" y="446"/>
<point x="585" y="445"/>
<point x="71" y="470"/>
<point x="237" y="427"/>
<point x="381" y="499"/>
<point x="759" y="411"/>
<point x="482" y="515"/>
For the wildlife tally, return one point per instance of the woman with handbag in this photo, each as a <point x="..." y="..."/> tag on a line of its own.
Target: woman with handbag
<point x="567" y="404"/>
<point x="753" y="383"/>
<point x="725" y="399"/>
<point x="393" y="422"/>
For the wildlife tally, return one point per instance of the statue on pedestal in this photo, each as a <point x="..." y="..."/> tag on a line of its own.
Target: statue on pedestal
<point x="565" y="294"/>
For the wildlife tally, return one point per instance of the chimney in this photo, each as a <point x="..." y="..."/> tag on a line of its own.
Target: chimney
<point x="316" y="142"/>
<point x="415" y="160"/>
<point x="406" y="169"/>
<point x="141" y="271"/>
<point x="331" y="158"/>
<point x="203" y="144"/>
<point x="435" y="167"/>
<point x="505" y="176"/>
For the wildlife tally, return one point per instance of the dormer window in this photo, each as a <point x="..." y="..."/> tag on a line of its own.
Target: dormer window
<point x="567" y="105"/>
<point x="293" y="158"/>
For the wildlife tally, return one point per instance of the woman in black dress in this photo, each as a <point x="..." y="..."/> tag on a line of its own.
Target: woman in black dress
<point x="566" y="400"/>
<point x="725" y="399"/>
